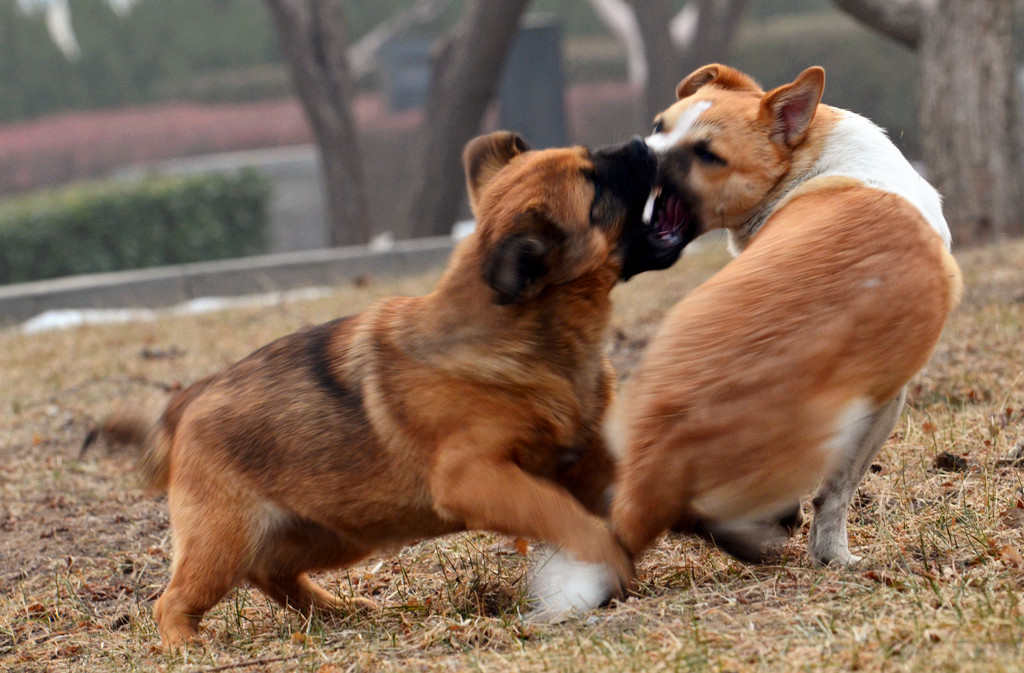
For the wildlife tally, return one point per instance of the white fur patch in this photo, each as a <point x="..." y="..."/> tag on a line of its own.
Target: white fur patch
<point x="859" y="149"/>
<point x="852" y="422"/>
<point x="266" y="520"/>
<point x="561" y="586"/>
<point x="664" y="141"/>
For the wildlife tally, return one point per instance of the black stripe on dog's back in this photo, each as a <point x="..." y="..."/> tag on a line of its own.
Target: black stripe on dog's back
<point x="319" y="362"/>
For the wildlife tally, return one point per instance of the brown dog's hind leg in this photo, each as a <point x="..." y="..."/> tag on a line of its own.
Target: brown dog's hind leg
<point x="210" y="547"/>
<point x="301" y="593"/>
<point x="292" y="549"/>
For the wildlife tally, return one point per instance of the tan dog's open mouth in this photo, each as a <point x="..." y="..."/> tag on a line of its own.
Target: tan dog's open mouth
<point x="670" y="218"/>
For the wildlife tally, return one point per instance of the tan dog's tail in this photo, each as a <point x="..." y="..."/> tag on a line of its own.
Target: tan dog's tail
<point x="143" y="431"/>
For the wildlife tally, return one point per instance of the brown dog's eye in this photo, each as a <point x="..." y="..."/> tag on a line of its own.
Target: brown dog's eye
<point x="702" y="151"/>
<point x="659" y="126"/>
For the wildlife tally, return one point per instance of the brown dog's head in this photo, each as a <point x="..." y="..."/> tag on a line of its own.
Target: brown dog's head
<point x="550" y="217"/>
<point x="726" y="146"/>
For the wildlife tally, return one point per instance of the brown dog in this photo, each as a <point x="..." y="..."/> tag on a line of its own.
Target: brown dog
<point x="785" y="371"/>
<point x="477" y="406"/>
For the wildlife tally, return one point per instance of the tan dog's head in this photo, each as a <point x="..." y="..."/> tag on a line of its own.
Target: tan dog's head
<point x="726" y="147"/>
<point x="546" y="218"/>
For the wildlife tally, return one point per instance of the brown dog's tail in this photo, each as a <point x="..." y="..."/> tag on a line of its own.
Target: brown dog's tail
<point x="142" y="431"/>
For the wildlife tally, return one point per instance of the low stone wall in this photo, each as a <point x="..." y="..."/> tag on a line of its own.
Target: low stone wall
<point x="169" y="285"/>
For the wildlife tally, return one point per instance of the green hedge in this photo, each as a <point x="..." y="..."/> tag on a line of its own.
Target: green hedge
<point x="110" y="226"/>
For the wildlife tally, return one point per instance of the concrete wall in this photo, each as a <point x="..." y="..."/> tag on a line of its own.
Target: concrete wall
<point x="169" y="285"/>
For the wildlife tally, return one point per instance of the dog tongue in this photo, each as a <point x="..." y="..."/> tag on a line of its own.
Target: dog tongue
<point x="672" y="215"/>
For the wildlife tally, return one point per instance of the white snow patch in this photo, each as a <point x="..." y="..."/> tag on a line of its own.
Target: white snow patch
<point x="382" y="242"/>
<point x="68" y="318"/>
<point x="462" y="229"/>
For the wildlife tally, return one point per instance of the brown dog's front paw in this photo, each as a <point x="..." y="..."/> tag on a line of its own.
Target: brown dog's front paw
<point x="562" y="585"/>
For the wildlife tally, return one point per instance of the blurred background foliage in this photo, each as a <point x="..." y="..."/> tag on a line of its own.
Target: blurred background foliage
<point x="219" y="51"/>
<point x="128" y="225"/>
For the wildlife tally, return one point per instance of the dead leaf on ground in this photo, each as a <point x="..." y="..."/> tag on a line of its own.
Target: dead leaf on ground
<point x="950" y="462"/>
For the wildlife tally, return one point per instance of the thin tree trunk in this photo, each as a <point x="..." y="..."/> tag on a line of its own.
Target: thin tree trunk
<point x="717" y="24"/>
<point x="664" y="65"/>
<point x="620" y="19"/>
<point x="465" y="82"/>
<point x="314" y="37"/>
<point x="969" y="116"/>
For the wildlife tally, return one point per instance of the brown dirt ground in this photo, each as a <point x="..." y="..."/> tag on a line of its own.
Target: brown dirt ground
<point x="83" y="552"/>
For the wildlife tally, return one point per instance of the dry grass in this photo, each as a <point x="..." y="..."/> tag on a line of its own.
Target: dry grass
<point x="83" y="553"/>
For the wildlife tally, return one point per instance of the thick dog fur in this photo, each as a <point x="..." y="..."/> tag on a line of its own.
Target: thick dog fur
<point x="785" y="371"/>
<point x="478" y="406"/>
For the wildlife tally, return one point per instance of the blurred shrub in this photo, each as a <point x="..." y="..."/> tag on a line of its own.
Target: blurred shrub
<point x="95" y="227"/>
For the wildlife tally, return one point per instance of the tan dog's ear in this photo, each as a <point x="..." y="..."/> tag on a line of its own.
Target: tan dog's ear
<point x="719" y="75"/>
<point x="789" y="110"/>
<point x="484" y="156"/>
<point x="519" y="261"/>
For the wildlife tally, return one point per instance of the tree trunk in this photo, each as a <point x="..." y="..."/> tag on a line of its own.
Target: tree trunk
<point x="618" y="16"/>
<point x="664" y="67"/>
<point x="717" y="23"/>
<point x="314" y="36"/>
<point x="969" y="116"/>
<point x="465" y="80"/>
<point x="899" y="19"/>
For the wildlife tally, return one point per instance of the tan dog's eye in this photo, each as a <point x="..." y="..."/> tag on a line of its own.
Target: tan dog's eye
<point x="659" y="126"/>
<point x="702" y="151"/>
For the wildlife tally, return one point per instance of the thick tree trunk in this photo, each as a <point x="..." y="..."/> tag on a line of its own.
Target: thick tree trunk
<point x="314" y="37"/>
<point x="969" y="117"/>
<point x="466" y="79"/>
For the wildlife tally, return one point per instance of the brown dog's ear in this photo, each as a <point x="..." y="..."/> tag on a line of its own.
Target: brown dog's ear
<point x="522" y="258"/>
<point x="484" y="156"/>
<point x="719" y="75"/>
<point x="789" y="110"/>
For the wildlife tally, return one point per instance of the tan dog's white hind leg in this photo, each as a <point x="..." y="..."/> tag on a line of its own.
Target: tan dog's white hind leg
<point x="827" y="541"/>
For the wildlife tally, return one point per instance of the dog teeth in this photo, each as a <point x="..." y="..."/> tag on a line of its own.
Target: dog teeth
<point x="649" y="206"/>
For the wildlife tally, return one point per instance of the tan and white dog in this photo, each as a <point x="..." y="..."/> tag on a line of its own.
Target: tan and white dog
<point x="786" y="370"/>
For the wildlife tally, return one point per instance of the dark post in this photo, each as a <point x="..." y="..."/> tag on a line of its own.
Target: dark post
<point x="532" y="87"/>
